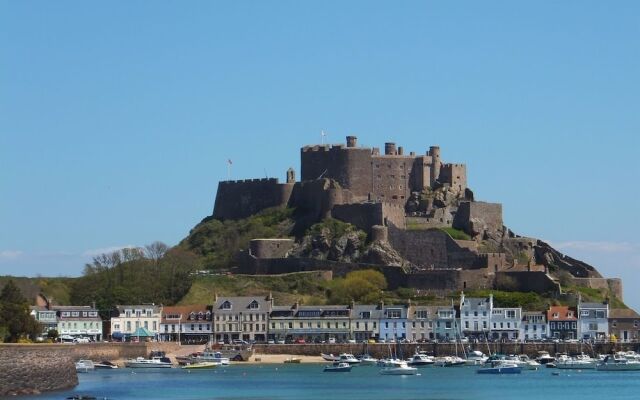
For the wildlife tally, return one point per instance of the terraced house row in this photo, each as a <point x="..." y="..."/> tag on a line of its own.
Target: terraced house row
<point x="257" y="318"/>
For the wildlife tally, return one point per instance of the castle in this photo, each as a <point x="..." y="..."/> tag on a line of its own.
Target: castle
<point x="405" y="204"/>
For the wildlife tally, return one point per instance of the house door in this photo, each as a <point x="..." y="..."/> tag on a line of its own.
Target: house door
<point x="475" y="326"/>
<point x="625" y="335"/>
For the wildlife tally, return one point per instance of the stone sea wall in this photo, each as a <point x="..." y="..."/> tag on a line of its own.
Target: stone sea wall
<point x="31" y="369"/>
<point x="34" y="368"/>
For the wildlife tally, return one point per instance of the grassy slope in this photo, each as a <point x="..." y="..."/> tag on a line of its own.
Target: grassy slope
<point x="57" y="288"/>
<point x="307" y="287"/>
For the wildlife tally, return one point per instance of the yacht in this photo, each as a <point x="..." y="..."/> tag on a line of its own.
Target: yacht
<point x="389" y="362"/>
<point x="450" y="361"/>
<point x="154" y="362"/>
<point x="476" y="357"/>
<point x="348" y="358"/>
<point x="420" y="360"/>
<point x="366" y="359"/>
<point x="616" y="363"/>
<point x="329" y="357"/>
<point x="581" y="361"/>
<point x="527" y="363"/>
<point x="402" y="369"/>
<point x="544" y="357"/>
<point x="84" y="366"/>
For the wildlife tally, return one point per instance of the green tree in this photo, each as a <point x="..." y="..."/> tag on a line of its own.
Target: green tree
<point x="52" y="334"/>
<point x="364" y="286"/>
<point x="15" y="318"/>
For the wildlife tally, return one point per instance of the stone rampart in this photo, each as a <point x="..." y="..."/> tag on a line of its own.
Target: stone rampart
<point x="612" y="284"/>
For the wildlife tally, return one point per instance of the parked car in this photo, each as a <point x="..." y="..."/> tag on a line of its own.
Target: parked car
<point x="281" y="341"/>
<point x="332" y="340"/>
<point x="299" y="341"/>
<point x="351" y="341"/>
<point x="271" y="341"/>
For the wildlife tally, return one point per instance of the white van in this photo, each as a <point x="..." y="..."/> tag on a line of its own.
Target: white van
<point x="81" y="340"/>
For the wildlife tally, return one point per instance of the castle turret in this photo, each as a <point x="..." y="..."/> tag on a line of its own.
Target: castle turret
<point x="434" y="152"/>
<point x="291" y="175"/>
<point x="389" y="149"/>
<point x="352" y="141"/>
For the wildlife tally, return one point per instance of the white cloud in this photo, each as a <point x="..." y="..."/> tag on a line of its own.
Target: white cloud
<point x="598" y="247"/>
<point x="106" y="250"/>
<point x="10" y="254"/>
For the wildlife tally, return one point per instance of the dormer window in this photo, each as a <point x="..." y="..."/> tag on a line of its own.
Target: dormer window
<point x="254" y="305"/>
<point x="570" y="314"/>
<point x="556" y="315"/>
<point x="226" y="305"/>
<point x="192" y="315"/>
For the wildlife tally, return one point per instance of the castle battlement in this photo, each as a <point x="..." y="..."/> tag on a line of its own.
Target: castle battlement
<point x="254" y="180"/>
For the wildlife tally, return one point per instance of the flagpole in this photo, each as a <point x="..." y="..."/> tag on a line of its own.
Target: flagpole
<point x="229" y="163"/>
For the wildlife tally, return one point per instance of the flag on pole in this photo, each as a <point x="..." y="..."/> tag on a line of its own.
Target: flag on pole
<point x="229" y="161"/>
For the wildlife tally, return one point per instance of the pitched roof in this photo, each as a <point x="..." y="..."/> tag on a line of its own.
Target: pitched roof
<point x="241" y="303"/>
<point x="563" y="313"/>
<point x="184" y="313"/>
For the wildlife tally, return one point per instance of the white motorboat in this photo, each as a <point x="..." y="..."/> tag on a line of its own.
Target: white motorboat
<point x="389" y="362"/>
<point x="527" y="363"/>
<point x="420" y="360"/>
<point x="581" y="361"/>
<point x="615" y="363"/>
<point x="154" y="362"/>
<point x="544" y="357"/>
<point x="500" y="367"/>
<point x="450" y="361"/>
<point x="338" y="367"/>
<point x="401" y="369"/>
<point x="84" y="366"/>
<point x="366" y="359"/>
<point x="211" y="356"/>
<point x="476" y="357"/>
<point x="348" y="358"/>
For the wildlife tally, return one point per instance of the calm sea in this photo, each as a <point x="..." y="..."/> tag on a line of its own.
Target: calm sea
<point x="258" y="382"/>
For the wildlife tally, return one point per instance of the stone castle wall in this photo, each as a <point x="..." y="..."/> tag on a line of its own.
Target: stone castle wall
<point x="366" y="215"/>
<point x="433" y="248"/>
<point x="241" y="199"/>
<point x="270" y="248"/>
<point x="477" y="216"/>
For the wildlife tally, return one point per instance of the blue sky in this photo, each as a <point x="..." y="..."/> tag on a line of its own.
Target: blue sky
<point x="116" y="119"/>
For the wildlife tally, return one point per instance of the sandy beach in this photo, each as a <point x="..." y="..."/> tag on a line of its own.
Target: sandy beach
<point x="280" y="359"/>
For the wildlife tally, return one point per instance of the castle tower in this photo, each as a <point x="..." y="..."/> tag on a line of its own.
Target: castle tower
<point x="434" y="152"/>
<point x="352" y="141"/>
<point x="291" y="175"/>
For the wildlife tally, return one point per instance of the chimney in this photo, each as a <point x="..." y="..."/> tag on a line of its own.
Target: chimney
<point x="400" y="151"/>
<point x="352" y="141"/>
<point x="389" y="149"/>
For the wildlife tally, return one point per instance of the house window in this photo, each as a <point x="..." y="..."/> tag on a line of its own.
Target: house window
<point x="254" y="305"/>
<point x="394" y="313"/>
<point x="511" y="313"/>
<point x="226" y="305"/>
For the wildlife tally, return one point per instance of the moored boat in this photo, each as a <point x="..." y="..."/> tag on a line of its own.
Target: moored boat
<point x="84" y="366"/>
<point x="201" y="365"/>
<point x="614" y="363"/>
<point x="420" y="360"/>
<point x="154" y="362"/>
<point x="366" y="359"/>
<point x="450" y="361"/>
<point x="293" y="360"/>
<point x="338" y="367"/>
<point x="402" y="369"/>
<point x="348" y="358"/>
<point x="500" y="367"/>
<point x="104" y="364"/>
<point x="329" y="357"/>
<point x="544" y="357"/>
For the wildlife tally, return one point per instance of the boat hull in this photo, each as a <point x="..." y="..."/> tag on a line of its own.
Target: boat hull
<point x="398" y="371"/>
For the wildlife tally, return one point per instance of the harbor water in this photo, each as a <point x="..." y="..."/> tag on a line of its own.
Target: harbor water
<point x="307" y="381"/>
